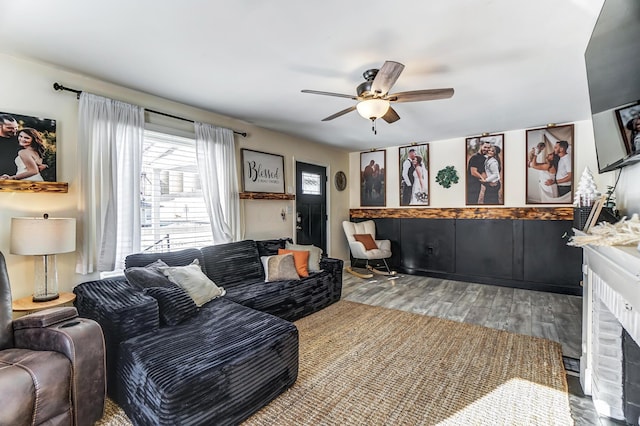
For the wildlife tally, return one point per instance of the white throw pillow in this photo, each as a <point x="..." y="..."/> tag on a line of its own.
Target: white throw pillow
<point x="194" y="282"/>
<point x="315" y="253"/>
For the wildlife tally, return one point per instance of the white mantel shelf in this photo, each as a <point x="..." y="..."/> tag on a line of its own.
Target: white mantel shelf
<point x="619" y="267"/>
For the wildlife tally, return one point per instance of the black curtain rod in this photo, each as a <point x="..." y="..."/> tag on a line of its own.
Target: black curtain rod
<point x="58" y="86"/>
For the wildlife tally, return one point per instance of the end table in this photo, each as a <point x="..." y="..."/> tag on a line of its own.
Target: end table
<point x="27" y="303"/>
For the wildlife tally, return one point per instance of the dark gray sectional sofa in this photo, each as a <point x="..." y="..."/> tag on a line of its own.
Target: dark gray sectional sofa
<point x="222" y="363"/>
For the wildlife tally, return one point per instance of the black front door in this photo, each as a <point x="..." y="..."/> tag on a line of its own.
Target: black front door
<point x="311" y="205"/>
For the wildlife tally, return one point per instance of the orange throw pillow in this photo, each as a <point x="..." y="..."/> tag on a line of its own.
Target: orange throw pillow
<point x="366" y="240"/>
<point x="300" y="259"/>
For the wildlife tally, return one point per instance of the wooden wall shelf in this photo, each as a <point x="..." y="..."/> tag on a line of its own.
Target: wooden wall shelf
<point x="530" y="213"/>
<point x="266" y="196"/>
<point x="30" y="186"/>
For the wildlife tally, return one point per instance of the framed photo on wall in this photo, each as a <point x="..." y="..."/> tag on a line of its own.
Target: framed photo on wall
<point x="629" y="124"/>
<point x="262" y="172"/>
<point x="372" y="178"/>
<point x="485" y="170"/>
<point x="549" y="165"/>
<point x="27" y="148"/>
<point x="414" y="175"/>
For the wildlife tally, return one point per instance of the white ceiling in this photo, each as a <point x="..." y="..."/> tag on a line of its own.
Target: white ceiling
<point x="514" y="64"/>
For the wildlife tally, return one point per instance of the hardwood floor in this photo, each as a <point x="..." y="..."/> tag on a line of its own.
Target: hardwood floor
<point x="556" y="317"/>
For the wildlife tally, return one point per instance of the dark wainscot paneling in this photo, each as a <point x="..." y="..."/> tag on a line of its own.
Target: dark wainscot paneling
<point x="427" y="245"/>
<point x="485" y="247"/>
<point x="521" y="248"/>
<point x="547" y="257"/>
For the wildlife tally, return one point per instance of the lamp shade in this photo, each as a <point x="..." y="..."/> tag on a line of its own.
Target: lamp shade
<point x="373" y="108"/>
<point x="42" y="236"/>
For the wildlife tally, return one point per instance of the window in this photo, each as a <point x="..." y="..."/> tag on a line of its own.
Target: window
<point x="311" y="184"/>
<point x="173" y="214"/>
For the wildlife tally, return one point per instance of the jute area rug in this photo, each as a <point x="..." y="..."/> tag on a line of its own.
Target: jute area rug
<point x="366" y="365"/>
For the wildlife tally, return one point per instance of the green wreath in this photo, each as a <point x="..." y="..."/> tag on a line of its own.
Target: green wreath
<point x="447" y="176"/>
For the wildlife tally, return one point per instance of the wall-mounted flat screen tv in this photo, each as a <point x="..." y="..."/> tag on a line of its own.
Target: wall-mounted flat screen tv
<point x="612" y="60"/>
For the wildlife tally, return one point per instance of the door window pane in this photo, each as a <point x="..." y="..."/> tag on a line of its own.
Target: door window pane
<point x="311" y="184"/>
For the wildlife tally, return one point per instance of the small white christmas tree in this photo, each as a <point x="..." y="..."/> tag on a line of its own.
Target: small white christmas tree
<point x="587" y="191"/>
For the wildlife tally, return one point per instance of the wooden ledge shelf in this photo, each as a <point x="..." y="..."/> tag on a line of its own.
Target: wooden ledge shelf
<point x="266" y="196"/>
<point x="527" y="213"/>
<point x="30" y="186"/>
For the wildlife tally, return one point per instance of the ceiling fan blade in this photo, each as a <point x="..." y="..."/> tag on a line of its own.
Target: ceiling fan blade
<point x="339" y="95"/>
<point x="386" y="77"/>
<point x="420" y="95"/>
<point x="391" y="116"/>
<point x="340" y="113"/>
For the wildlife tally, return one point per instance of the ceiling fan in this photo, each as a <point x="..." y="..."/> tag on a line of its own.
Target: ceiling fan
<point x="374" y="99"/>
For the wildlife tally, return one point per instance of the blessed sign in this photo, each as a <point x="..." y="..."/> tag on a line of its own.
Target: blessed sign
<point x="262" y="172"/>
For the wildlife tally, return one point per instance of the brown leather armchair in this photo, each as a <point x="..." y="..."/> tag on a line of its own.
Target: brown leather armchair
<point x="52" y="365"/>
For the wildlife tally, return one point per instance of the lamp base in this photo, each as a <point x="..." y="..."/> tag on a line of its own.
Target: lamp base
<point x="45" y="297"/>
<point x="46" y="279"/>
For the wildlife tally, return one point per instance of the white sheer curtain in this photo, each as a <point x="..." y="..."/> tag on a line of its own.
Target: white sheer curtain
<point x="109" y="160"/>
<point x="216" y="154"/>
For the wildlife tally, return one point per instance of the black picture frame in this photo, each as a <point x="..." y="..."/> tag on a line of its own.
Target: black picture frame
<point x="262" y="172"/>
<point x="481" y="186"/>
<point x="542" y="162"/>
<point x="410" y="193"/>
<point x="373" y="178"/>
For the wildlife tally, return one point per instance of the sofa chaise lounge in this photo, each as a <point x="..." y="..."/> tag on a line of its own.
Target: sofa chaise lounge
<point x="225" y="360"/>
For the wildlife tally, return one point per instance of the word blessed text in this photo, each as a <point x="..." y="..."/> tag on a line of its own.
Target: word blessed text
<point x="259" y="173"/>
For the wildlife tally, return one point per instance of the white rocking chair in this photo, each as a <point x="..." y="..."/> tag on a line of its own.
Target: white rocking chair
<point x="358" y="231"/>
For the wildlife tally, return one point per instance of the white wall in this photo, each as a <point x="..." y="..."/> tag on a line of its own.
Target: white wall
<point x="451" y="152"/>
<point x="27" y="90"/>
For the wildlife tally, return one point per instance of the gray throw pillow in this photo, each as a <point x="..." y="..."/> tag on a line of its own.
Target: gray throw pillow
<point x="194" y="282"/>
<point x="279" y="268"/>
<point x="148" y="276"/>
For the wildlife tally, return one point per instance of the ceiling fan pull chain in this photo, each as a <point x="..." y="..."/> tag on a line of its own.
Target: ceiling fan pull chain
<point x="373" y="126"/>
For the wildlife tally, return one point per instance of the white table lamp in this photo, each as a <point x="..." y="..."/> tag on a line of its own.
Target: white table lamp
<point x="46" y="237"/>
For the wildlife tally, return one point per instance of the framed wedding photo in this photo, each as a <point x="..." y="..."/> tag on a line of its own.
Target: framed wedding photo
<point x="485" y="170"/>
<point x="26" y="139"/>
<point x="414" y="175"/>
<point x="372" y="178"/>
<point x="628" y="118"/>
<point x="262" y="172"/>
<point x="549" y="165"/>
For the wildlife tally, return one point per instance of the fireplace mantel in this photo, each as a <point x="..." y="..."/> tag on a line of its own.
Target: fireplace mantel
<point x="611" y="300"/>
<point x="619" y="267"/>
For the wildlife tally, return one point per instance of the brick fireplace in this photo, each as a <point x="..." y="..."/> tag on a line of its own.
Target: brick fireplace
<point x="631" y="368"/>
<point x="611" y="331"/>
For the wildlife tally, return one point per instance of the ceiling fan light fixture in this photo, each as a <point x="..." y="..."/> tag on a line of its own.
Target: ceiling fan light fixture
<point x="372" y="108"/>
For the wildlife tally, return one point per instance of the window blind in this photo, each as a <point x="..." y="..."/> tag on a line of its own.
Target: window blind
<point x="173" y="214"/>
